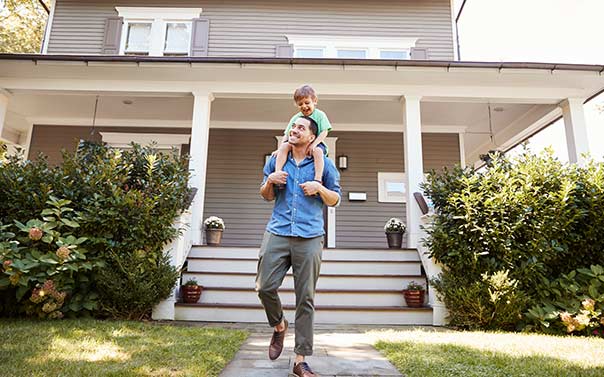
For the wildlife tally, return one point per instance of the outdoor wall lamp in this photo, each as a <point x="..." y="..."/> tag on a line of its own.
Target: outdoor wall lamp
<point x="343" y="162"/>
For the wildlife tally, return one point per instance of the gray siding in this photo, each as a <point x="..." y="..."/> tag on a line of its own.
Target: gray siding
<point x="234" y="175"/>
<point x="246" y="28"/>
<point x="360" y="224"/>
<point x="50" y="140"/>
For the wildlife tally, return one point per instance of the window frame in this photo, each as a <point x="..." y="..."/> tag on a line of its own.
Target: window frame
<point x="159" y="18"/>
<point x="331" y="45"/>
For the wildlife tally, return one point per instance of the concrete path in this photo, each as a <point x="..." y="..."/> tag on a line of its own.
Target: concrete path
<point x="340" y="350"/>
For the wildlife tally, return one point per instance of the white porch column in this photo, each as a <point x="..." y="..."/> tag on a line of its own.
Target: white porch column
<point x="414" y="166"/>
<point x="576" y="131"/>
<point x="200" y="132"/>
<point x="3" y="109"/>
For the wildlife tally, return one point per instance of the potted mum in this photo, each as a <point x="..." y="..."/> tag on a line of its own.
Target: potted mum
<point x="214" y="227"/>
<point x="395" y="228"/>
<point x="414" y="295"/>
<point x="191" y="291"/>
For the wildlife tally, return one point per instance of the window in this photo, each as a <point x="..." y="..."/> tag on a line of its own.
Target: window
<point x="394" y="54"/>
<point x="391" y="188"/>
<point x="352" y="54"/>
<point x="311" y="46"/>
<point x="162" y="143"/>
<point x="157" y="31"/>
<point x="309" y="53"/>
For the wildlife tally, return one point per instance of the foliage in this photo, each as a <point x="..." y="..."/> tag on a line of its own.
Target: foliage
<point x="414" y="286"/>
<point x="532" y="219"/>
<point x="191" y="282"/>
<point x="395" y="225"/>
<point x="118" y="208"/>
<point x="22" y="25"/>
<point x="47" y="263"/>
<point x="213" y="222"/>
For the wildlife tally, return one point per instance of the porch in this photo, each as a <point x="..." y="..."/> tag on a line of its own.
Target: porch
<point x="388" y="118"/>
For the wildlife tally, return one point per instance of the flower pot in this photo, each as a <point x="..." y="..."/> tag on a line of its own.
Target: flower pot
<point x="191" y="293"/>
<point x="395" y="240"/>
<point x="414" y="298"/>
<point x="213" y="237"/>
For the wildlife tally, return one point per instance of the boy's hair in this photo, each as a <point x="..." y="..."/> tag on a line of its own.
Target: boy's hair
<point x="303" y="92"/>
<point x="314" y="127"/>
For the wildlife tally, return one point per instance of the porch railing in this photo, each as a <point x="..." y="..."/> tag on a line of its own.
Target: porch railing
<point x="179" y="251"/>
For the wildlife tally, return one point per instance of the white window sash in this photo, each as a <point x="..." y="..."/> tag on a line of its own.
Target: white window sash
<point x="331" y="45"/>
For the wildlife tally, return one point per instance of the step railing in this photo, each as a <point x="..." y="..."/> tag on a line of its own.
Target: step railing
<point x="432" y="269"/>
<point x="178" y="250"/>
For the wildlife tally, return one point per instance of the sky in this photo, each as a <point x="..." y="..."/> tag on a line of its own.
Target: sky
<point x="550" y="31"/>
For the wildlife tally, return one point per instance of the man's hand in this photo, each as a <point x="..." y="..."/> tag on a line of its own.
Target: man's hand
<point x="277" y="178"/>
<point x="311" y="188"/>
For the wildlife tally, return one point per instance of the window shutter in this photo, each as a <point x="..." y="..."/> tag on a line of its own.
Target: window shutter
<point x="419" y="53"/>
<point x="284" y="51"/>
<point x="113" y="34"/>
<point x="200" y="35"/>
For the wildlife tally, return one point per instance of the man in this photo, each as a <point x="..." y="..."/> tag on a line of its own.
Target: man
<point x="294" y="237"/>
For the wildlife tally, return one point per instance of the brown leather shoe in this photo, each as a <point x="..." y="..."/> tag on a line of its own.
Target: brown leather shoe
<point x="276" y="346"/>
<point x="302" y="369"/>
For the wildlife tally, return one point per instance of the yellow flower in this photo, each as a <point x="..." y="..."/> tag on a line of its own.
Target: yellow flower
<point x="63" y="252"/>
<point x="588" y="304"/>
<point x="14" y="279"/>
<point x="565" y="317"/>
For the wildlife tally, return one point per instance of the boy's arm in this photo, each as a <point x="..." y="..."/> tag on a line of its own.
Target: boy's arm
<point x="320" y="138"/>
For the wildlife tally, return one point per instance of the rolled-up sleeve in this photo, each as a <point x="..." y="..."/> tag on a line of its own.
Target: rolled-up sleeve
<point x="331" y="179"/>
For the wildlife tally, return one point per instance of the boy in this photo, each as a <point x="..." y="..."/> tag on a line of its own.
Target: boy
<point x="306" y="100"/>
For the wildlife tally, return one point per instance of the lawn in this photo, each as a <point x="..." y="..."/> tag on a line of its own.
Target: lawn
<point x="449" y="353"/>
<point x="110" y="348"/>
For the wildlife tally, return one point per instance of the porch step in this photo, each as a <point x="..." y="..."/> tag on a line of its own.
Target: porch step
<point x="338" y="297"/>
<point x="326" y="281"/>
<point x="323" y="314"/>
<point x="342" y="267"/>
<point x="400" y="255"/>
<point x="356" y="286"/>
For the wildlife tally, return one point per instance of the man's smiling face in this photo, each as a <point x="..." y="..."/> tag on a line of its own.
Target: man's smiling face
<point x="301" y="134"/>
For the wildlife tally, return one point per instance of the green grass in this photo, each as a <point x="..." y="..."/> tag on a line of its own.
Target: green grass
<point x="110" y="348"/>
<point x="469" y="354"/>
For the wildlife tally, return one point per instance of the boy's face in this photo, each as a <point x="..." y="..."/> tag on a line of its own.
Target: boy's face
<point x="306" y="105"/>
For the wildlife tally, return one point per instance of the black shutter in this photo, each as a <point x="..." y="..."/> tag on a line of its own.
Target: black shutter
<point x="200" y="35"/>
<point x="113" y="35"/>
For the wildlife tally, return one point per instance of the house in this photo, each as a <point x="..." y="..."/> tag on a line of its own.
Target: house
<point x="204" y="76"/>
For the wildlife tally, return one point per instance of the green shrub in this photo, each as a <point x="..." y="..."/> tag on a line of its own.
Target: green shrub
<point x="534" y="217"/>
<point x="121" y="209"/>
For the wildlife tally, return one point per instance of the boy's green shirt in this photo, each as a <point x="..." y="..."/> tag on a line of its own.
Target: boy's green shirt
<point x="318" y="116"/>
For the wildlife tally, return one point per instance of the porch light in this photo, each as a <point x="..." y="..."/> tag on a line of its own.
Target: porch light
<point x="343" y="162"/>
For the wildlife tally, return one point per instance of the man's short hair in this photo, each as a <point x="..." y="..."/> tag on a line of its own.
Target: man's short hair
<point x="303" y="92"/>
<point x="314" y="127"/>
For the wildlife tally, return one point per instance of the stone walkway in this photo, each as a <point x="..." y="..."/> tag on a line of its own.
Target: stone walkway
<point x="339" y="351"/>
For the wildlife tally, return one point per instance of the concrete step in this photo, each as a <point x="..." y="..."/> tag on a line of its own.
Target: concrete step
<point x="323" y="315"/>
<point x="328" y="254"/>
<point x="343" y="267"/>
<point x="338" y="297"/>
<point x="326" y="281"/>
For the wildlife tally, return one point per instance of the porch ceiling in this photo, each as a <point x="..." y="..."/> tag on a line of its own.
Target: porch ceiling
<point x="357" y="95"/>
<point x="360" y="114"/>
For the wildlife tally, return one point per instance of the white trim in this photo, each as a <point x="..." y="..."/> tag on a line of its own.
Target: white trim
<point x="378" y="127"/>
<point x="577" y="141"/>
<point x="27" y="146"/>
<point x="48" y="28"/>
<point x="158" y="12"/>
<point x="158" y="18"/>
<point x="454" y="30"/>
<point x="162" y="141"/>
<point x="462" y="150"/>
<point x="331" y="44"/>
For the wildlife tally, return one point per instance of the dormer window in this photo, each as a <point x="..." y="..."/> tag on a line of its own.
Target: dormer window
<point x="306" y="46"/>
<point x="156" y="31"/>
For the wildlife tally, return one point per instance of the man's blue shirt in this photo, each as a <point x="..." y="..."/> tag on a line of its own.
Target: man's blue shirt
<point x="295" y="214"/>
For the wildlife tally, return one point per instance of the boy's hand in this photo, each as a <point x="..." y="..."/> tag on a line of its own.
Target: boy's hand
<point x="277" y="178"/>
<point x="310" y="149"/>
<point x="274" y="153"/>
